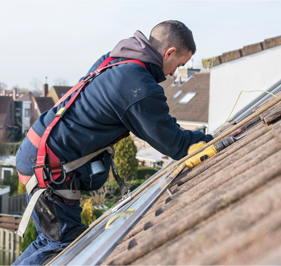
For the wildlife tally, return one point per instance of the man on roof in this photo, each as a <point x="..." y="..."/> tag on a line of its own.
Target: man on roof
<point x="124" y="97"/>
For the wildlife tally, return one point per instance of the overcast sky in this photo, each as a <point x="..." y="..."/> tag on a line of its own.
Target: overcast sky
<point x="62" y="39"/>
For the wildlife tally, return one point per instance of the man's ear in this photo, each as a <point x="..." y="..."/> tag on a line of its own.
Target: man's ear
<point x="169" y="51"/>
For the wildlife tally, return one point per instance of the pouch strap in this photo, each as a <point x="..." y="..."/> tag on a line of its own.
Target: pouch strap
<point x="123" y="188"/>
<point x="31" y="184"/>
<point x="28" y="212"/>
<point x="68" y="193"/>
<point x="73" y="165"/>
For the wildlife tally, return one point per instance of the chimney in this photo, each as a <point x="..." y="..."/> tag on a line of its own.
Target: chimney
<point x="45" y="89"/>
<point x="174" y="83"/>
<point x="4" y="92"/>
<point x="183" y="72"/>
<point x="14" y="94"/>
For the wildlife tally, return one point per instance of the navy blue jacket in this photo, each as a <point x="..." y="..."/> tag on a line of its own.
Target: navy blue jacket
<point x="124" y="97"/>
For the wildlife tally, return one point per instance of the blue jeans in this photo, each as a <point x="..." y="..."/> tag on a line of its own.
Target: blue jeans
<point x="68" y="217"/>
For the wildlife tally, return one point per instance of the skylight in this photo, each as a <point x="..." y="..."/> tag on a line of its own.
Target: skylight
<point x="187" y="97"/>
<point x="177" y="94"/>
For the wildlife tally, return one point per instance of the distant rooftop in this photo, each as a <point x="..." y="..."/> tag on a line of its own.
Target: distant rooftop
<point x="8" y="160"/>
<point x="149" y="154"/>
<point x="188" y="99"/>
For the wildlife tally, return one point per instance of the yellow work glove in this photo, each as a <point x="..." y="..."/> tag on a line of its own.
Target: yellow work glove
<point x="196" y="146"/>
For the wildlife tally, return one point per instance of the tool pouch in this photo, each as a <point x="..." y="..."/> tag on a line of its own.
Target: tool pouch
<point x="49" y="221"/>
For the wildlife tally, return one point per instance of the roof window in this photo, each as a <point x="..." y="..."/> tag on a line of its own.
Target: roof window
<point x="187" y="97"/>
<point x="177" y="94"/>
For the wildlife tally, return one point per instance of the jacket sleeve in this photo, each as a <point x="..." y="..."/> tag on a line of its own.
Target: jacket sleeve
<point x="149" y="120"/>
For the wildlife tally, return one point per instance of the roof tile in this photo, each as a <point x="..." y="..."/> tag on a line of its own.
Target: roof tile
<point x="251" y="49"/>
<point x="229" y="56"/>
<point x="220" y="208"/>
<point x="272" y="42"/>
<point x="246" y="50"/>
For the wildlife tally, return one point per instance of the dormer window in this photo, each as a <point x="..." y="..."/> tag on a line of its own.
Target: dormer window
<point x="187" y="97"/>
<point x="177" y="94"/>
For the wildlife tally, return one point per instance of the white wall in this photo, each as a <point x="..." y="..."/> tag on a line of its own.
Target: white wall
<point x="258" y="71"/>
<point x="25" y="119"/>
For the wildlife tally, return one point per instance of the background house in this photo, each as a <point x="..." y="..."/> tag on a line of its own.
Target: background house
<point x="7" y="110"/>
<point x="19" y="114"/>
<point x="39" y="106"/>
<point x="19" y="109"/>
<point x="56" y="92"/>
<point x="7" y="166"/>
<point x="188" y="98"/>
<point x="256" y="66"/>
<point x="152" y="158"/>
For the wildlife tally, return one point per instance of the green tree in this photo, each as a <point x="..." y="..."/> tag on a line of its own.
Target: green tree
<point x="87" y="215"/>
<point x="125" y="158"/>
<point x="29" y="236"/>
<point x="2" y="148"/>
<point x="12" y="181"/>
<point x="21" y="188"/>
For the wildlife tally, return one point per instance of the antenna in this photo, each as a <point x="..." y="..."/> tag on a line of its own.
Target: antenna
<point x="191" y="63"/>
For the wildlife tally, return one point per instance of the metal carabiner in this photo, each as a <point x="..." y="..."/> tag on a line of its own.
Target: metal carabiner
<point x="60" y="182"/>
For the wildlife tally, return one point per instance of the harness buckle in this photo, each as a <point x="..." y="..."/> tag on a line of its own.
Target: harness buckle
<point x="64" y="175"/>
<point x="45" y="171"/>
<point x="91" y="76"/>
<point x="48" y="192"/>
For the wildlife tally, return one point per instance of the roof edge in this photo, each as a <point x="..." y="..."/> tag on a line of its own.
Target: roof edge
<point x="246" y="50"/>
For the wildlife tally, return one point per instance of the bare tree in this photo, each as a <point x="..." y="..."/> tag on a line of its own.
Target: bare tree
<point x="3" y="86"/>
<point x="108" y="193"/>
<point x="60" y="82"/>
<point x="36" y="84"/>
<point x="105" y="193"/>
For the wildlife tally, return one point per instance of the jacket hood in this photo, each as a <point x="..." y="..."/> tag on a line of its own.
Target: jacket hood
<point x="138" y="47"/>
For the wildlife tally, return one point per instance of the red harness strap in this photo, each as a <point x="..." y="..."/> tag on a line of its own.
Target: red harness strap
<point x="101" y="68"/>
<point x="41" y="143"/>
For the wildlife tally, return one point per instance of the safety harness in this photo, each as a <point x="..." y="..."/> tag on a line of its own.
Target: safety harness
<point x="56" y="171"/>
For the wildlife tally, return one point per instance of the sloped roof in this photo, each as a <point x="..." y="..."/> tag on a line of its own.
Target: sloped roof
<point x="44" y="103"/>
<point x="21" y="95"/>
<point x="226" y="210"/>
<point x="5" y="102"/>
<point x="24" y="96"/>
<point x="197" y="109"/>
<point x="246" y="50"/>
<point x="61" y="90"/>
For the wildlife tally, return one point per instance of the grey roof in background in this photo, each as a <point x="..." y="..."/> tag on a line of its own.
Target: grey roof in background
<point x="61" y="90"/>
<point x="44" y="103"/>
<point x="197" y="108"/>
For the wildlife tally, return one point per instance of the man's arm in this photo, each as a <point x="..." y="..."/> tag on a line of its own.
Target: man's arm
<point x="149" y="119"/>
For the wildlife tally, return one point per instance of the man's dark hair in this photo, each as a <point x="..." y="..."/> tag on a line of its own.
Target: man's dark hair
<point x="172" y="33"/>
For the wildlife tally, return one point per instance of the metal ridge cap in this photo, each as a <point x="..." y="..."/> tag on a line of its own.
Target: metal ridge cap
<point x="255" y="100"/>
